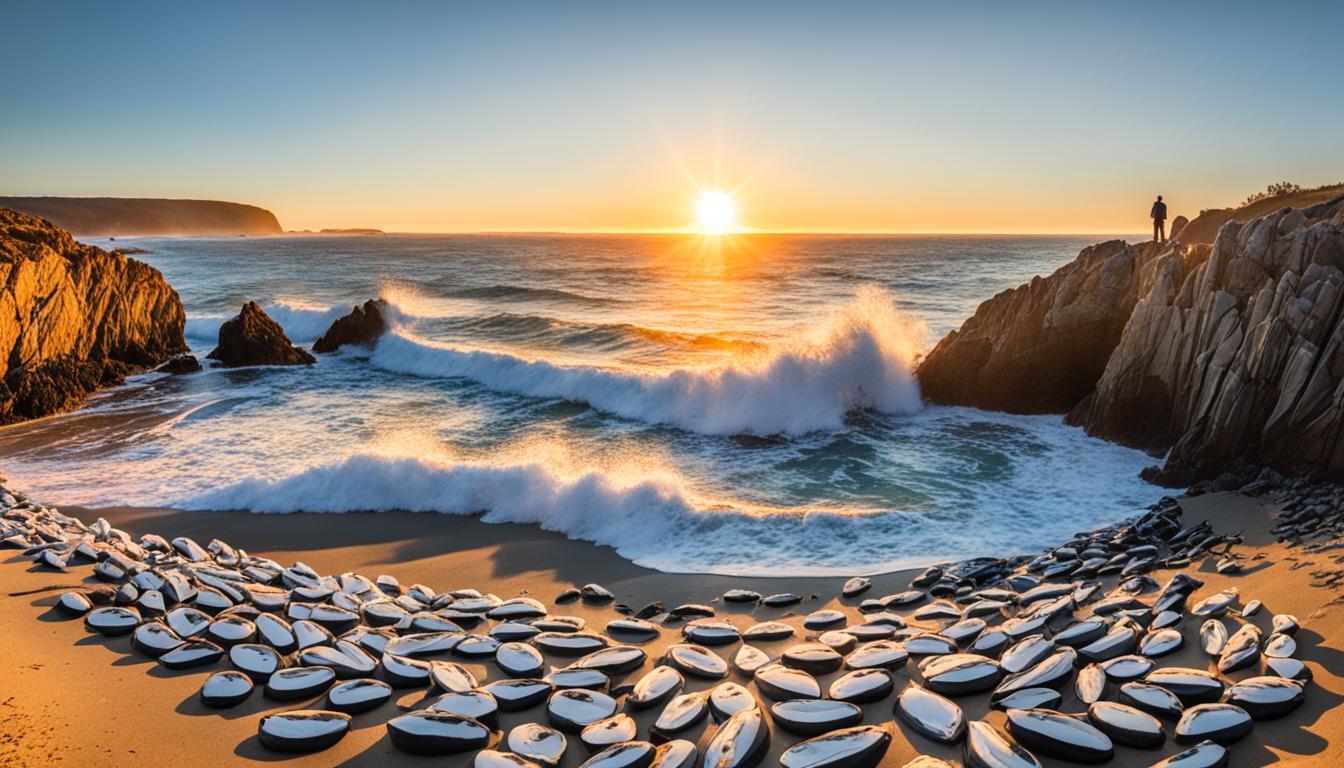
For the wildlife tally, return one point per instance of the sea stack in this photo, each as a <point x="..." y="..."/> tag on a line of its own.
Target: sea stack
<point x="362" y="326"/>
<point x="253" y="338"/>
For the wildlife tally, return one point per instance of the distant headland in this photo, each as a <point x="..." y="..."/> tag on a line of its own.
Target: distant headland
<point x="148" y="216"/>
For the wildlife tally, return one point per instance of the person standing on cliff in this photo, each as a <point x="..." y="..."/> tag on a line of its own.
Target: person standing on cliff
<point x="1159" y="215"/>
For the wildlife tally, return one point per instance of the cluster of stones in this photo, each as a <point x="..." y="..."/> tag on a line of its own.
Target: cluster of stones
<point x="1020" y="631"/>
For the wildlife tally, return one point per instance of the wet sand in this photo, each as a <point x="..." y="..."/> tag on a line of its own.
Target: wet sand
<point x="72" y="698"/>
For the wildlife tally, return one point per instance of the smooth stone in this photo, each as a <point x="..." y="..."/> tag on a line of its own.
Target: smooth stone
<point x="616" y="729"/>
<point x="711" y="632"/>
<point x="1124" y="669"/>
<point x="355" y="697"/>
<point x="741" y="596"/>
<point x="879" y="654"/>
<point x="225" y="689"/>
<point x="517" y="695"/>
<point x="1206" y="754"/>
<point x="596" y="593"/>
<point x="824" y="619"/>
<point x="1026" y="653"/>
<point x="1213" y="637"/>
<point x="1118" y="641"/>
<point x="477" y="705"/>
<point x="346" y="659"/>
<point x="490" y="758"/>
<point x="692" y="610"/>
<point x="841" y="641"/>
<point x="1216" y="605"/>
<point x="741" y="742"/>
<point x="677" y="753"/>
<point x="300" y="731"/>
<point x="1242" y="649"/>
<point x="856" y="586"/>
<point x="518" y="608"/>
<point x="519" y="660"/>
<point x="276" y="632"/>
<point x="938" y="611"/>
<point x="1161" y="642"/>
<point x="572" y="710"/>
<point x="422" y="644"/>
<point x="1052" y="672"/>
<point x="1058" y="735"/>
<point x="1090" y="684"/>
<point x="680" y="713"/>
<point x="1030" y="698"/>
<point x="930" y="714"/>
<point x="862" y="686"/>
<point x="405" y="672"/>
<point x="814" y="658"/>
<point x="73" y="604"/>
<point x="536" y="742"/>
<point x="112" y="621"/>
<point x="451" y="677"/>
<point x="153" y="639"/>
<point x="929" y="644"/>
<point x="1289" y="669"/>
<point x="590" y="679"/>
<point x="296" y="683"/>
<point x="614" y="661"/>
<point x="987" y="748"/>
<point x="991" y="643"/>
<point x="1219" y="723"/>
<point x="767" y="631"/>
<point x="1280" y="646"/>
<point x="963" y="632"/>
<point x="569" y="643"/>
<point x="696" y="661"/>
<point x="782" y="600"/>
<point x="190" y="655"/>
<point x="256" y="661"/>
<point x="635" y="629"/>
<point x="861" y="746"/>
<point x="477" y="646"/>
<point x="631" y="754"/>
<point x="1266" y="698"/>
<point x="514" y="631"/>
<point x="1126" y="725"/>
<point x="959" y="674"/>
<point x="427" y="732"/>
<point x="657" y="686"/>
<point x="1284" y="624"/>
<point x="727" y="699"/>
<point x="749" y="658"/>
<point x="812" y="717"/>
<point x="781" y="683"/>
<point x="1156" y="701"/>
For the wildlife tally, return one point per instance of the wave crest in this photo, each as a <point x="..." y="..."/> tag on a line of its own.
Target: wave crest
<point x="862" y="359"/>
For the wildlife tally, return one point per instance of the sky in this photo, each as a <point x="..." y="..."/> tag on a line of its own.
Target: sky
<point x="840" y="117"/>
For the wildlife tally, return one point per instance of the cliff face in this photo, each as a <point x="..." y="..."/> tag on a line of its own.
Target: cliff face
<point x="1224" y="354"/>
<point x="1040" y="347"/>
<point x="147" y="216"/>
<point x="74" y="317"/>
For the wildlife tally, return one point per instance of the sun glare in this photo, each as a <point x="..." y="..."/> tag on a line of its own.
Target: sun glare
<point x="716" y="212"/>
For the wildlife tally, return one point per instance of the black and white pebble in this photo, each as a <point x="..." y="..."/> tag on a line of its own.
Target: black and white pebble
<point x="569" y="643"/>
<point x="1090" y="684"/>
<point x="571" y="710"/>
<point x="1030" y="698"/>
<point x="491" y="758"/>
<point x="842" y="641"/>
<point x="298" y="683"/>
<point x="73" y="604"/>
<point x="617" y="729"/>
<point x="451" y="677"/>
<point x="190" y="655"/>
<point x="616" y="660"/>
<point x="1242" y="649"/>
<point x="959" y="674"/>
<point x="883" y="654"/>
<point x="697" y="661"/>
<point x="595" y="593"/>
<point x="1154" y="700"/>
<point x="729" y="698"/>
<point x="741" y="742"/>
<point x="1216" y="605"/>
<point x="1289" y="669"/>
<point x="856" y="586"/>
<point x="692" y="610"/>
<point x="749" y="658"/>
<point x="346" y="659"/>
<point x="519" y="694"/>
<point x="824" y="619"/>
<point x="477" y="646"/>
<point x="781" y="600"/>
<point x="405" y="672"/>
<point x="741" y="596"/>
<point x="636" y="630"/>
<point x="814" y="658"/>
<point x="767" y="631"/>
<point x="256" y="661"/>
<point x="680" y="713"/>
<point x="1026" y="653"/>
<point x="112" y="621"/>
<point x="813" y="717"/>
<point x="1284" y="624"/>
<point x="780" y="683"/>
<point x="1266" y="698"/>
<point x="1280" y="646"/>
<point x="657" y="686"/>
<point x="861" y="746"/>
<point x="1124" y="669"/>
<point x="154" y="638"/>
<point x="1220" y="723"/>
<point x="987" y="748"/>
<point x="930" y="644"/>
<point x="862" y="686"/>
<point x="1126" y="725"/>
<point x="538" y="743"/>
<point x="631" y="754"/>
<point x="477" y="705"/>
<point x="570" y="678"/>
<point x="305" y="730"/>
<point x="276" y="632"/>
<point x="1117" y="641"/>
<point x="422" y="644"/>
<point x="1213" y="637"/>
<point x="677" y="753"/>
<point x="1205" y="754"/>
<point x="1160" y="642"/>
<point x="225" y="689"/>
<point x="428" y="732"/>
<point x="930" y="714"/>
<point x="355" y="697"/>
<point x="519" y="660"/>
<point x="1057" y="735"/>
<point x="1051" y="672"/>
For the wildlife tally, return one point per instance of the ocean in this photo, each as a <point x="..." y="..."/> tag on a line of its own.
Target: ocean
<point x="742" y="405"/>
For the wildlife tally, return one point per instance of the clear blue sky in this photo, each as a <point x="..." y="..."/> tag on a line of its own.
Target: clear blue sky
<point x="945" y="116"/>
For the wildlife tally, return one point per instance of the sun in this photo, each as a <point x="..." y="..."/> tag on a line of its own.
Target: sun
<point x="716" y="212"/>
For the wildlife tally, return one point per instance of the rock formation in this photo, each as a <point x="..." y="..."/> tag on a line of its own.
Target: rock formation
<point x="253" y="338"/>
<point x="147" y="216"/>
<point x="1205" y="227"/>
<point x="1040" y="347"/>
<point x="362" y="326"/>
<point x="74" y="317"/>
<point x="181" y="364"/>
<point x="1227" y="354"/>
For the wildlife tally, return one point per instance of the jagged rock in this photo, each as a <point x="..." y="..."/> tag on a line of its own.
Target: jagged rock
<point x="253" y="338"/>
<point x="74" y="317"/>
<point x="181" y="364"/>
<point x="1040" y="347"/>
<point x="1177" y="224"/>
<point x="362" y="326"/>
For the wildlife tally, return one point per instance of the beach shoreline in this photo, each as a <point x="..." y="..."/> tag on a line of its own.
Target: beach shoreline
<point x="76" y="698"/>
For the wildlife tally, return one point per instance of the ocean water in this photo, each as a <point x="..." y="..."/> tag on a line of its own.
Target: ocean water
<point x="744" y="405"/>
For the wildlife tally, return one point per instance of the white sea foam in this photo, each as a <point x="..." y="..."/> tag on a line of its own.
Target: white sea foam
<point x="862" y="358"/>
<point x="303" y="325"/>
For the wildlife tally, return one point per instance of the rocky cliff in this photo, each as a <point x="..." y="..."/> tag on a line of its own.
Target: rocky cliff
<point x="147" y="216"/>
<point x="1227" y="355"/>
<point x="74" y="317"/>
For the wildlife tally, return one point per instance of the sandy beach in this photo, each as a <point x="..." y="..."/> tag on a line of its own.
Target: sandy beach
<point x="74" y="698"/>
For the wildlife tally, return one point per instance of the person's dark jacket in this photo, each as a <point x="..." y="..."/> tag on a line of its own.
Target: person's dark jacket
<point x="1159" y="211"/>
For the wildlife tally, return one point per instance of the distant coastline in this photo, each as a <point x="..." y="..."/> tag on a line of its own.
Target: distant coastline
<point x="128" y="216"/>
